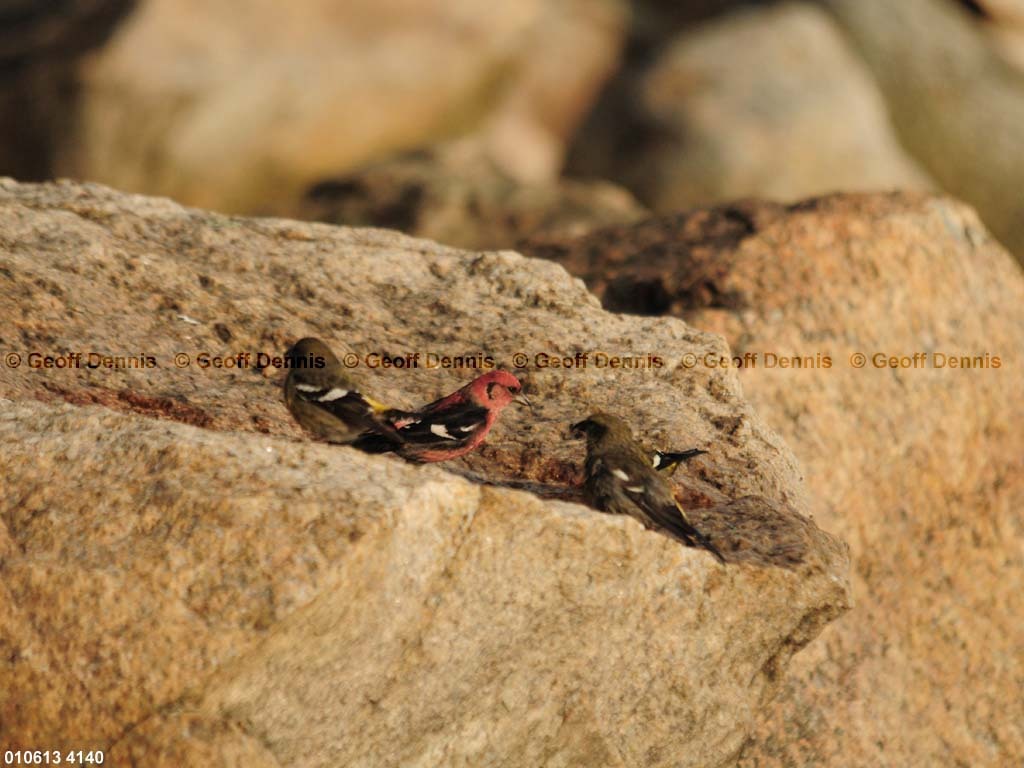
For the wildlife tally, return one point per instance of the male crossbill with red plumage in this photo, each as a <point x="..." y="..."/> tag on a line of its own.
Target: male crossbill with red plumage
<point x="451" y="426"/>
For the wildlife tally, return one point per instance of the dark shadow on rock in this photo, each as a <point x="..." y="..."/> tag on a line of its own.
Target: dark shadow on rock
<point x="456" y="196"/>
<point x="663" y="265"/>
<point x="41" y="44"/>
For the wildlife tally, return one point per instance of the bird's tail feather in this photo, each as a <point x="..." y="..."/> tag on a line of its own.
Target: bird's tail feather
<point x="705" y="543"/>
<point x="691" y="536"/>
<point x="384" y="436"/>
<point x="668" y="461"/>
<point x="376" y="442"/>
<point x="674" y="457"/>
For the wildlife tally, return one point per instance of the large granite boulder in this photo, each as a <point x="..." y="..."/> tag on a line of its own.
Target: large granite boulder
<point x="768" y="102"/>
<point x="240" y="111"/>
<point x="187" y="579"/>
<point x="956" y="103"/>
<point x="882" y="336"/>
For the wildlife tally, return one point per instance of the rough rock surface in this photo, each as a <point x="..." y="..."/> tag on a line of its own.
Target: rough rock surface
<point x="188" y="580"/>
<point x="920" y="468"/>
<point x="768" y="101"/>
<point x="238" y="111"/>
<point x="453" y="195"/>
<point x="957" y="105"/>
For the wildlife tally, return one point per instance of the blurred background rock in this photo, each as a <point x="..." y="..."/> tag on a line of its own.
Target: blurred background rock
<point x="249" y="107"/>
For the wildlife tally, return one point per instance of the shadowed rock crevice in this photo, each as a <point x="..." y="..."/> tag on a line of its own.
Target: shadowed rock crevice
<point x="126" y="401"/>
<point x="752" y="529"/>
<point x="454" y="195"/>
<point x="663" y="265"/>
<point x="41" y="46"/>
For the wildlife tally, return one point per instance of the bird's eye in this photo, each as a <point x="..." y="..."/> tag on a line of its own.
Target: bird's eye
<point x="514" y="390"/>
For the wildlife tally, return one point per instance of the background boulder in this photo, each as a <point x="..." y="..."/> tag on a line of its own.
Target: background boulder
<point x="916" y="462"/>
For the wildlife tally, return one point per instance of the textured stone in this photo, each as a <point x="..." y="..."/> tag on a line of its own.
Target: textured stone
<point x="919" y="468"/>
<point x="188" y="580"/>
<point x="961" y="116"/>
<point x="242" y="111"/>
<point x="455" y="196"/>
<point x="767" y="102"/>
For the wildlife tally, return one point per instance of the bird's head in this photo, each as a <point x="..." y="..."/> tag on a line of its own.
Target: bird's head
<point x="600" y="427"/>
<point x="495" y="390"/>
<point x="305" y="353"/>
<point x="309" y="353"/>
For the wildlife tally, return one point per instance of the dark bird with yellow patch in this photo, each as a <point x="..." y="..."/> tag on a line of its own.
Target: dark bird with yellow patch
<point x="325" y="402"/>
